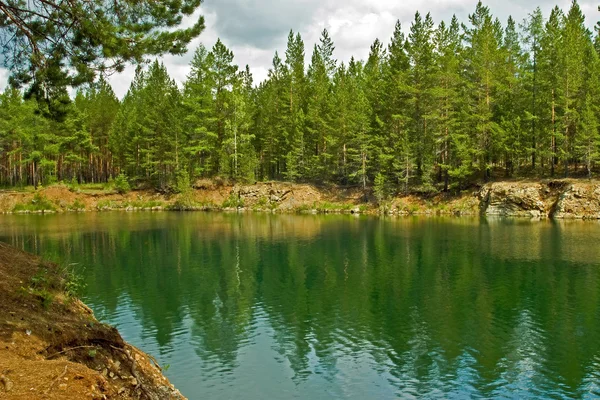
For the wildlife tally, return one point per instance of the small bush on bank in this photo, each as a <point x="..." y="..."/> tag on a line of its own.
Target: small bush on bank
<point x="121" y="184"/>
<point x="182" y="182"/>
<point x="39" y="203"/>
<point x="233" y="201"/>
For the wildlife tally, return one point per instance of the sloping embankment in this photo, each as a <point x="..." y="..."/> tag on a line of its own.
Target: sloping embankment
<point x="565" y="198"/>
<point x="52" y="347"/>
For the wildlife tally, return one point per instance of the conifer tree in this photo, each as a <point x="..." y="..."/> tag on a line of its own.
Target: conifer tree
<point x="509" y="111"/>
<point x="421" y="83"/>
<point x="273" y="121"/>
<point x="533" y="28"/>
<point x="447" y="97"/>
<point x="360" y="151"/>
<point x="224" y="74"/>
<point x="574" y="42"/>
<point x="551" y="66"/>
<point x="483" y="56"/>
<point x="397" y="156"/>
<point x="375" y="95"/>
<point x="199" y="117"/>
<point x="100" y="106"/>
<point x="319" y="114"/>
<point x="294" y="61"/>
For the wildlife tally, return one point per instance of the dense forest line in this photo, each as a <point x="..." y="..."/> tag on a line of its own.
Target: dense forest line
<point x="438" y="108"/>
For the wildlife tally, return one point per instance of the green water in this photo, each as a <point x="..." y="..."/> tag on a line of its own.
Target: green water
<point x="320" y="307"/>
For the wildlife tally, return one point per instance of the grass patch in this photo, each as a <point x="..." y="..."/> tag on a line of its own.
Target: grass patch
<point x="50" y="280"/>
<point x="39" y="203"/>
<point x="186" y="201"/>
<point x="233" y="201"/>
<point x="77" y="206"/>
<point x="327" y="206"/>
<point x="144" y="203"/>
<point x="109" y="205"/>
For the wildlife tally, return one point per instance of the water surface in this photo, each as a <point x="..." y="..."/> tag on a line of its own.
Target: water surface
<point x="320" y="307"/>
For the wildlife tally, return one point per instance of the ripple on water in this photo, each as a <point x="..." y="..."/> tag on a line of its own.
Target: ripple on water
<point x="269" y="307"/>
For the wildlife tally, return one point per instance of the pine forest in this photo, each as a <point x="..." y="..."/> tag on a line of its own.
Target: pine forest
<point x="441" y="107"/>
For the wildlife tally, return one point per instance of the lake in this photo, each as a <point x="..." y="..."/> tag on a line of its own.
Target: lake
<point x="257" y="306"/>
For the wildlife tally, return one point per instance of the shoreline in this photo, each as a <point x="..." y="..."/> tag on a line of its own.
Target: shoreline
<point x="546" y="199"/>
<point x="52" y="346"/>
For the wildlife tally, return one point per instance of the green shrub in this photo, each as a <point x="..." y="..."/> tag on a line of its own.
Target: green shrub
<point x="73" y="185"/>
<point x="77" y="205"/>
<point x="233" y="201"/>
<point x="121" y="184"/>
<point x="379" y="187"/>
<point x="46" y="283"/>
<point x="38" y="203"/>
<point x="182" y="182"/>
<point x="72" y="283"/>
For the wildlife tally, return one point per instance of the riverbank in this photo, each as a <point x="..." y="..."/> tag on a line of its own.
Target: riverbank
<point x="556" y="198"/>
<point x="52" y="347"/>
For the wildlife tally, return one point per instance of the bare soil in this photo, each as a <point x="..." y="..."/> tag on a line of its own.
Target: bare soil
<point x="52" y="347"/>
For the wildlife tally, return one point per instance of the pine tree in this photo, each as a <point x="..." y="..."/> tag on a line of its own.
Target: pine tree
<point x="360" y="150"/>
<point x="273" y="120"/>
<point x="224" y="74"/>
<point x="200" y="120"/>
<point x="574" y="42"/>
<point x="341" y="99"/>
<point x="294" y="61"/>
<point x="534" y="33"/>
<point x="511" y="94"/>
<point x="241" y="163"/>
<point x="25" y="139"/>
<point x="421" y="82"/>
<point x="319" y="114"/>
<point x="588" y="140"/>
<point x="447" y="97"/>
<point x="551" y="66"/>
<point x="76" y="148"/>
<point x="100" y="106"/>
<point x="397" y="158"/>
<point x="125" y="138"/>
<point x="53" y="44"/>
<point x="147" y="130"/>
<point x="483" y="63"/>
<point x="375" y="94"/>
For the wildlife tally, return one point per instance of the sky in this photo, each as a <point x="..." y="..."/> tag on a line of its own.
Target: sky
<point x="255" y="29"/>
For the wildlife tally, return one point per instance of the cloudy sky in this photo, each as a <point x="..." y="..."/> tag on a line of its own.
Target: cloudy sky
<point x="255" y="29"/>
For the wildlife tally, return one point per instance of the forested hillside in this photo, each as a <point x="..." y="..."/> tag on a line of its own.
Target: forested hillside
<point x="441" y="106"/>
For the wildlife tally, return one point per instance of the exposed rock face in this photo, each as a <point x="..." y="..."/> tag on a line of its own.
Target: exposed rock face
<point x="284" y="196"/>
<point x="554" y="199"/>
<point x="513" y="200"/>
<point x="579" y="200"/>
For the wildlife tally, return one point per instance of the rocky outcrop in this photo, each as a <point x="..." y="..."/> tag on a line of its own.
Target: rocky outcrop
<point x="579" y="200"/>
<point x="547" y="199"/>
<point x="270" y="195"/>
<point x="509" y="199"/>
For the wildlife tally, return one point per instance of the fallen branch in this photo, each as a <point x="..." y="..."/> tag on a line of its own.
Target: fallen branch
<point x="154" y="361"/>
<point x="69" y="349"/>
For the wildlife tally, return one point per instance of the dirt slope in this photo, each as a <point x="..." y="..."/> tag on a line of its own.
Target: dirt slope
<point x="52" y="347"/>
